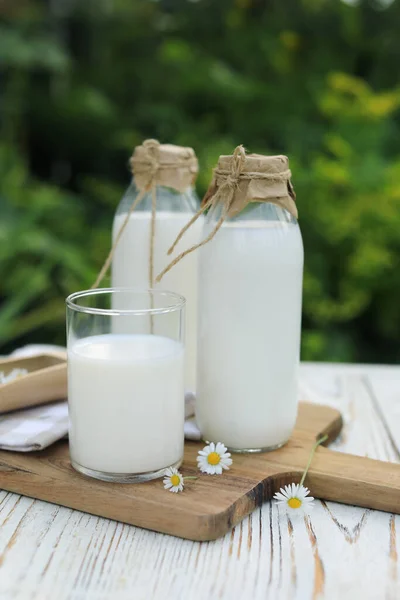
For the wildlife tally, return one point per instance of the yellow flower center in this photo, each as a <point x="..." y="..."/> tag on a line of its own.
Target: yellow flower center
<point x="294" y="503"/>
<point x="175" y="480"/>
<point x="213" y="458"/>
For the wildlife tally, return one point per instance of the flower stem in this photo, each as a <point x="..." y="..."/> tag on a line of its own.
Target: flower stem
<point x="317" y="443"/>
<point x="190" y="478"/>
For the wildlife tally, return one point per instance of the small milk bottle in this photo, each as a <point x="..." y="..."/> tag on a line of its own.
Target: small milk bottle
<point x="158" y="203"/>
<point x="250" y="294"/>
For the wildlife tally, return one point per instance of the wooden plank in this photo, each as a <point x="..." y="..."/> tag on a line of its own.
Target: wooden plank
<point x="384" y="390"/>
<point x="208" y="508"/>
<point x="341" y="552"/>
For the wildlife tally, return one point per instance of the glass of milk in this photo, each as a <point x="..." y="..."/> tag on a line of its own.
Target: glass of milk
<point x="250" y="293"/>
<point x="125" y="382"/>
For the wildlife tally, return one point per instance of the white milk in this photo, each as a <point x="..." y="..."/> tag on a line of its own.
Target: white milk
<point x="126" y="402"/>
<point x="130" y="267"/>
<point x="249" y="334"/>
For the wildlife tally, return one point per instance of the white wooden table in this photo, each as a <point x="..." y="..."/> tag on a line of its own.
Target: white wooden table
<point x="52" y="553"/>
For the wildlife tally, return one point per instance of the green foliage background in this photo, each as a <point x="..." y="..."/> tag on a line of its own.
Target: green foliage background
<point x="83" y="82"/>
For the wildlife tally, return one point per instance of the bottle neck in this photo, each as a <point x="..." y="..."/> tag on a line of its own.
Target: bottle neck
<point x="254" y="211"/>
<point x="167" y="200"/>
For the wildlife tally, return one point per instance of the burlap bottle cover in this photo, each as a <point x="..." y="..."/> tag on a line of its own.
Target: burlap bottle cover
<point x="239" y="179"/>
<point x="155" y="164"/>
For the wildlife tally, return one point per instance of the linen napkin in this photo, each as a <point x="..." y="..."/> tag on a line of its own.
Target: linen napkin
<point x="37" y="428"/>
<point x="34" y="428"/>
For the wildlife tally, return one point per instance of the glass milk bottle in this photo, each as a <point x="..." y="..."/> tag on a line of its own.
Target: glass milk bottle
<point x="165" y="200"/>
<point x="251" y="294"/>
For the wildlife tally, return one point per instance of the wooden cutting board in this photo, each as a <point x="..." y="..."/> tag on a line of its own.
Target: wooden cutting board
<point x="211" y="505"/>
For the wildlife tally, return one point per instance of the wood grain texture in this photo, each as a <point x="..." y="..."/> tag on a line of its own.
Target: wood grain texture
<point x="209" y="507"/>
<point x="339" y="552"/>
<point x="45" y="381"/>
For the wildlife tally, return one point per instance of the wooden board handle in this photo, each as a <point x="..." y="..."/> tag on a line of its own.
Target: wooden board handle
<point x="355" y="480"/>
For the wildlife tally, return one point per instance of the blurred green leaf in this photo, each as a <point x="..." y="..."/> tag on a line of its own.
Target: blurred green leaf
<point x="83" y="83"/>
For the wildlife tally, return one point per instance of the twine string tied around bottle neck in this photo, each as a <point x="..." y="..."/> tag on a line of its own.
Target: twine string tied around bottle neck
<point x="149" y="166"/>
<point x="225" y="193"/>
<point x="225" y="189"/>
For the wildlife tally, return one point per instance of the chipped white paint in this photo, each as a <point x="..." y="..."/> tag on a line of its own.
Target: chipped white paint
<point x="340" y="552"/>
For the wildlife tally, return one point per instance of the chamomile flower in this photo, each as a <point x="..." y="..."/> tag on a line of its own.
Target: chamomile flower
<point x="173" y="480"/>
<point x="295" y="498"/>
<point x="213" y="459"/>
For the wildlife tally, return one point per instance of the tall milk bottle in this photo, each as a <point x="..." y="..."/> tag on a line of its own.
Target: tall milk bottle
<point x="163" y="176"/>
<point x="250" y="294"/>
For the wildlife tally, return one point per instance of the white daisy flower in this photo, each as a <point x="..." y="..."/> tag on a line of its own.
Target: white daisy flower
<point x="295" y="498"/>
<point x="214" y="458"/>
<point x="173" y="480"/>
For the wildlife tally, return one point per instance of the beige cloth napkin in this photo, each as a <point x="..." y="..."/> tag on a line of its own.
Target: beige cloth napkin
<point x="36" y="428"/>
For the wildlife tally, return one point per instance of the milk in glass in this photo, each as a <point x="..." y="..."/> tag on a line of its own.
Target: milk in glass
<point x="125" y="395"/>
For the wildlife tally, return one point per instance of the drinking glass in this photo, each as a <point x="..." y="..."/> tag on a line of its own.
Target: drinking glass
<point x="125" y="382"/>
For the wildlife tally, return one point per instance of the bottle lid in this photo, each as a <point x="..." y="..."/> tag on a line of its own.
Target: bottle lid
<point x="245" y="178"/>
<point x="239" y="179"/>
<point x="172" y="166"/>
